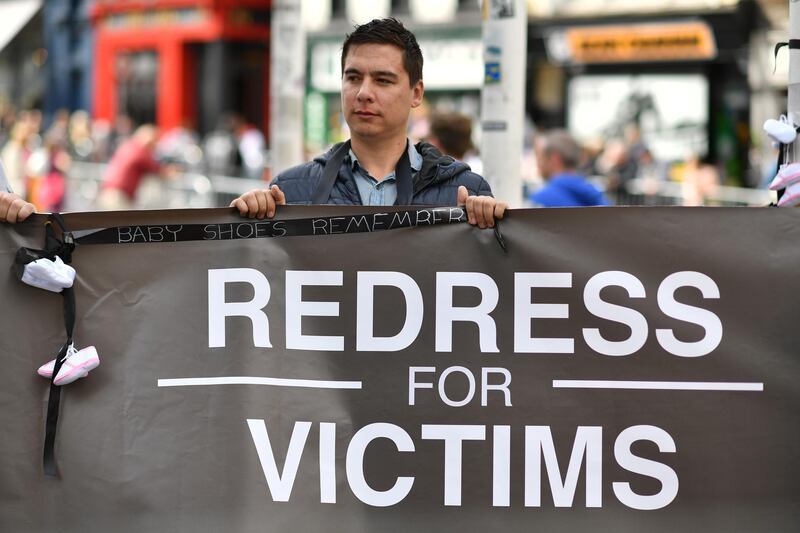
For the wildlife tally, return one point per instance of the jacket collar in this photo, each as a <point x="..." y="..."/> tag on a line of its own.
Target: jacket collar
<point x="435" y="168"/>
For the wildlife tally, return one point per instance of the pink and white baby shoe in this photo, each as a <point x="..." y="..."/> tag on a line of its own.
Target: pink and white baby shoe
<point x="791" y="196"/>
<point x="787" y="175"/>
<point x="77" y="364"/>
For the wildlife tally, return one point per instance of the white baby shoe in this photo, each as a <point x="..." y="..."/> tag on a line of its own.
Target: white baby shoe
<point x="781" y="130"/>
<point x="49" y="275"/>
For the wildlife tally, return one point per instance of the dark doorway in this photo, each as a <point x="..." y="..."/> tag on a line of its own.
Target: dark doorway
<point x="136" y="74"/>
<point x="230" y="79"/>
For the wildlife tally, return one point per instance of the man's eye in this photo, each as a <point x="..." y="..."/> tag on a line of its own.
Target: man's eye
<point x="384" y="81"/>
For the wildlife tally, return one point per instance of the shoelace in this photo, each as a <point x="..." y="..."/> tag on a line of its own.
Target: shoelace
<point x="70" y="352"/>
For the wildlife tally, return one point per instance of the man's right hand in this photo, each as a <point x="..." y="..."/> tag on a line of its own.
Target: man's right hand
<point x="13" y="208"/>
<point x="260" y="203"/>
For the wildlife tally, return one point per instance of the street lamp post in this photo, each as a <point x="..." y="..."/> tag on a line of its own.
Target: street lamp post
<point x="505" y="24"/>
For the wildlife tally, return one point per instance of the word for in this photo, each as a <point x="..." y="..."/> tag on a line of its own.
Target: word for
<point x="414" y="385"/>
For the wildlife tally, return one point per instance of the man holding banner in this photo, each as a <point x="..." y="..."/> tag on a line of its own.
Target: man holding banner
<point x="381" y="83"/>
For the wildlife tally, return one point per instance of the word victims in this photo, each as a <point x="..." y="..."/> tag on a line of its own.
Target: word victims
<point x="462" y="442"/>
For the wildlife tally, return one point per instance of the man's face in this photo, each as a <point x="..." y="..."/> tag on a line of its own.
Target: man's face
<point x="376" y="95"/>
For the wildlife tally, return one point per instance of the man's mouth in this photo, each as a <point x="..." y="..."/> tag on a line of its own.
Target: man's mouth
<point x="366" y="114"/>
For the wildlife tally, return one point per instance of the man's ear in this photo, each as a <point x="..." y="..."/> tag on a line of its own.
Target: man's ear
<point x="417" y="91"/>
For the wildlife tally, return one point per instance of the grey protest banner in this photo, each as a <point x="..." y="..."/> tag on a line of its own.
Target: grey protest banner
<point x="619" y="369"/>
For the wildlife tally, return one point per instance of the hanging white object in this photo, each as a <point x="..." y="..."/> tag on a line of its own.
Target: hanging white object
<point x="781" y="130"/>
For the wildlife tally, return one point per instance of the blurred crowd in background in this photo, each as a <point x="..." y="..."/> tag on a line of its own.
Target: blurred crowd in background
<point x="665" y="99"/>
<point x="106" y="163"/>
<point x="79" y="163"/>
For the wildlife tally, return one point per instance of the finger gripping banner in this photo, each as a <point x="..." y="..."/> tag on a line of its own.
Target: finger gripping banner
<point x="610" y="370"/>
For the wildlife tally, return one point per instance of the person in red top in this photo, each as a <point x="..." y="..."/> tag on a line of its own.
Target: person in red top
<point x="132" y="161"/>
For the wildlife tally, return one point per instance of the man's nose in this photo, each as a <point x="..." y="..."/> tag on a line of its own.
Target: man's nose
<point x="365" y="91"/>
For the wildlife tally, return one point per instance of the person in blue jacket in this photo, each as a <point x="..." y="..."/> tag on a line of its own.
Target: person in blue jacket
<point x="558" y="156"/>
<point x="381" y="82"/>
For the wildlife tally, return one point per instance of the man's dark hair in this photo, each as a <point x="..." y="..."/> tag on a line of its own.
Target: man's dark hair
<point x="388" y="31"/>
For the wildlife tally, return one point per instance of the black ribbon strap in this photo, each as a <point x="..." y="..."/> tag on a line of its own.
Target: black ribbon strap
<point x="329" y="174"/>
<point x="793" y="44"/>
<point x="54" y="396"/>
<point x="63" y="248"/>
<point x="255" y="229"/>
<point x="402" y="173"/>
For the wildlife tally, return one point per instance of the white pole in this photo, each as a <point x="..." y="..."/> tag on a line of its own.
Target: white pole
<point x="505" y="30"/>
<point x="793" y="107"/>
<point x="287" y="85"/>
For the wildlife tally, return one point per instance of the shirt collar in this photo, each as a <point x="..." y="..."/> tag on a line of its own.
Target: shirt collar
<point x="414" y="158"/>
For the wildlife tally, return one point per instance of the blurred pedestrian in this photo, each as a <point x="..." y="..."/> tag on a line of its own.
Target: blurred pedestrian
<point x="52" y="162"/>
<point x="180" y="145"/>
<point x="16" y="152"/>
<point x="219" y="148"/>
<point x="8" y="117"/>
<point x="451" y="133"/>
<point x="251" y="146"/>
<point x="81" y="144"/>
<point x="616" y="165"/>
<point x="700" y="180"/>
<point x="558" y="156"/>
<point x="132" y="161"/>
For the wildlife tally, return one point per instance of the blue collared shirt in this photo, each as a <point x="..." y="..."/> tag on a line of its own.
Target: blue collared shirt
<point x="383" y="192"/>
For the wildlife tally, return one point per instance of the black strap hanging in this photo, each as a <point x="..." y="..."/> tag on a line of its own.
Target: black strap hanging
<point x="403" y="178"/>
<point x="322" y="193"/>
<point x="63" y="248"/>
<point x="793" y="44"/>
<point x="54" y="396"/>
<point x="259" y="229"/>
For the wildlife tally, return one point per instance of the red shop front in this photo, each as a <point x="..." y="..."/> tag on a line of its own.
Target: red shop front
<point x="182" y="62"/>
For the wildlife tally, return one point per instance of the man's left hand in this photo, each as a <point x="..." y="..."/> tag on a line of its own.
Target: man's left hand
<point x="481" y="210"/>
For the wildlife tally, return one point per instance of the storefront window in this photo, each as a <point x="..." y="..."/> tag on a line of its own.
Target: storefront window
<point x="136" y="74"/>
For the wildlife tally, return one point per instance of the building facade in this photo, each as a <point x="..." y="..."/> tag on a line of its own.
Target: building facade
<point x="181" y="62"/>
<point x="678" y="71"/>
